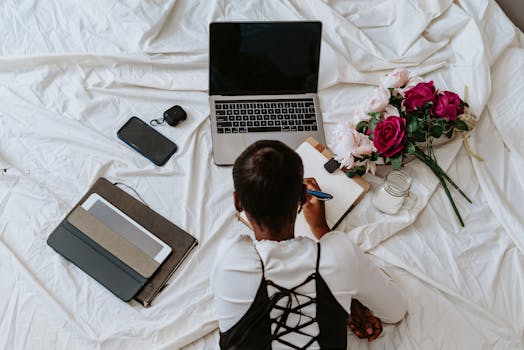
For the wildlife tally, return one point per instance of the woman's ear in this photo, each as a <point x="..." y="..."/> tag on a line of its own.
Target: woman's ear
<point x="238" y="206"/>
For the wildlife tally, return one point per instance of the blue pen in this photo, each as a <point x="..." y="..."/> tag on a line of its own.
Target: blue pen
<point x="323" y="196"/>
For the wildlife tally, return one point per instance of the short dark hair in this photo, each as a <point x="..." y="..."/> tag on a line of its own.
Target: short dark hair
<point x="268" y="178"/>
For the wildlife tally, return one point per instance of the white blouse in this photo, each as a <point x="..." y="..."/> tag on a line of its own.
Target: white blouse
<point x="347" y="271"/>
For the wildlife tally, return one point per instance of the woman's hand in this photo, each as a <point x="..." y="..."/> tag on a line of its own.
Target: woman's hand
<point x="314" y="211"/>
<point x="363" y="323"/>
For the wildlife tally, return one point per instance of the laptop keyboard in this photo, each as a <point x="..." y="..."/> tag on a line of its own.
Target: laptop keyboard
<point x="265" y="116"/>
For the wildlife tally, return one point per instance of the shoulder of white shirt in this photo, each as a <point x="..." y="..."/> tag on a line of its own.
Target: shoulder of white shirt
<point x="242" y="246"/>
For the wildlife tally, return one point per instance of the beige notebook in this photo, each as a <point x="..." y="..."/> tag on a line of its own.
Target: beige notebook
<point x="346" y="191"/>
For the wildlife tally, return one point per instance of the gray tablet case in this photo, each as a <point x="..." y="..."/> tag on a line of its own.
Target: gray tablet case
<point x="114" y="243"/>
<point x="116" y="264"/>
<point x="96" y="261"/>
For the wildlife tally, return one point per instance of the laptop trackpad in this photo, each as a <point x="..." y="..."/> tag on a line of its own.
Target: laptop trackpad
<point x="292" y="139"/>
<point x="227" y="147"/>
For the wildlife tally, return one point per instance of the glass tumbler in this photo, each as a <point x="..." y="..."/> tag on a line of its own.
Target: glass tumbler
<point x="390" y="196"/>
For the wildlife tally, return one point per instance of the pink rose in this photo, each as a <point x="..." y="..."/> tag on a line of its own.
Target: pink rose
<point x="378" y="101"/>
<point x="396" y="79"/>
<point x="419" y="95"/>
<point x="389" y="136"/>
<point x="448" y="105"/>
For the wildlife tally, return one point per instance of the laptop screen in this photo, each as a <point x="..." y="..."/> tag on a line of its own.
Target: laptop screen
<point x="264" y="58"/>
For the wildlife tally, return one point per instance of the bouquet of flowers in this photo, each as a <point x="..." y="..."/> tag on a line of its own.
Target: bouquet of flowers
<point x="401" y="119"/>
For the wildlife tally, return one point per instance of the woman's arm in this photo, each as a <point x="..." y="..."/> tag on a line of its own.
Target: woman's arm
<point x="314" y="210"/>
<point x="375" y="289"/>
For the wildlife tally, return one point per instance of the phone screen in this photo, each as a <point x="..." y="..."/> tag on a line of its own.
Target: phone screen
<point x="147" y="141"/>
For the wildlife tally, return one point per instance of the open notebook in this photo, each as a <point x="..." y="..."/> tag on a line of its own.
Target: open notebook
<point x="346" y="191"/>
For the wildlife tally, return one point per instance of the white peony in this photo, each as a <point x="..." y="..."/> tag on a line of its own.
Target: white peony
<point x="398" y="78"/>
<point x="391" y="111"/>
<point x="359" y="115"/>
<point x="378" y="100"/>
<point x="347" y="143"/>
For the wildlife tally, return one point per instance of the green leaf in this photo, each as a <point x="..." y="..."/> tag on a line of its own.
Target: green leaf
<point x="459" y="124"/>
<point x="361" y="126"/>
<point x="372" y="124"/>
<point x="442" y="122"/>
<point x="375" y="115"/>
<point x="420" y="136"/>
<point x="396" y="161"/>
<point x="410" y="115"/>
<point x="436" y="131"/>
<point x="395" y="101"/>
<point x="428" y="105"/>
<point x="358" y="171"/>
<point x="412" y="125"/>
<point x="410" y="148"/>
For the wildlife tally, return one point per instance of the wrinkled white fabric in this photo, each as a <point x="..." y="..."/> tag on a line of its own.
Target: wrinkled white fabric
<point x="71" y="73"/>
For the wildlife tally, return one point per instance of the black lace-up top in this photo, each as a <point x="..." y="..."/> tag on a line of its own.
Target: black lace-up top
<point x="258" y="330"/>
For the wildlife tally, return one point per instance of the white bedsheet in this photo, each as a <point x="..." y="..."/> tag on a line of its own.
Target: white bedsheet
<point x="71" y="73"/>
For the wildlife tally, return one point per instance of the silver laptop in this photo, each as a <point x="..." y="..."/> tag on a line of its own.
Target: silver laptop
<point x="263" y="79"/>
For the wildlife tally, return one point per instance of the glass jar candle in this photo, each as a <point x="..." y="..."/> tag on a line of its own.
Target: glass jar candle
<point x="390" y="196"/>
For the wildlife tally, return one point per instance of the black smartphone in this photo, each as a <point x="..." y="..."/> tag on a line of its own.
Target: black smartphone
<point x="147" y="141"/>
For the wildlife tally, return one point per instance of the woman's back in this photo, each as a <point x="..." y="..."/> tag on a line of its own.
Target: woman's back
<point x="244" y="262"/>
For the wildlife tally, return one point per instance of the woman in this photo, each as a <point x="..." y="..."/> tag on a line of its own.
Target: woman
<point x="285" y="292"/>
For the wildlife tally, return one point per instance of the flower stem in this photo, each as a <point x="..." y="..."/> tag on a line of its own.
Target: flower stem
<point x="438" y="172"/>
<point x="419" y="153"/>
<point x="443" y="183"/>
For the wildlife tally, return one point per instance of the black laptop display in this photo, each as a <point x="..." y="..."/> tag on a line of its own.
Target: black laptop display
<point x="264" y="58"/>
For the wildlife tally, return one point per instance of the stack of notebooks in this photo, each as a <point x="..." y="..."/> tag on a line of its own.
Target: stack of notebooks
<point x="347" y="192"/>
<point x="120" y="242"/>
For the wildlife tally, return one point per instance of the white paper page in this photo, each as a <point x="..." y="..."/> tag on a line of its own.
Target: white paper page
<point x="344" y="190"/>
